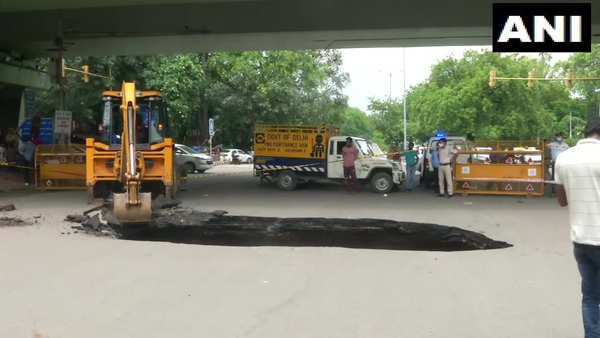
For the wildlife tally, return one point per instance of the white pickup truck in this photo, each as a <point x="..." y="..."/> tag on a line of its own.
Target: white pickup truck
<point x="317" y="156"/>
<point x="372" y="166"/>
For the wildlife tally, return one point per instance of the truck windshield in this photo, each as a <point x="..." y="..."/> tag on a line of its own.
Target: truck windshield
<point x="375" y="149"/>
<point x="363" y="147"/>
<point x="149" y="116"/>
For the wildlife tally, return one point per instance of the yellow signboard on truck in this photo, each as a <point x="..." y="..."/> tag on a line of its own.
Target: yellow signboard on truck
<point x="292" y="141"/>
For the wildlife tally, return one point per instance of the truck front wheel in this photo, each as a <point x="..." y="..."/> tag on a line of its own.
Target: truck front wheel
<point x="382" y="183"/>
<point x="287" y="180"/>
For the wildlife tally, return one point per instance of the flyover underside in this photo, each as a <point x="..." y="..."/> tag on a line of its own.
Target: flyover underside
<point x="151" y="27"/>
<point x="267" y="41"/>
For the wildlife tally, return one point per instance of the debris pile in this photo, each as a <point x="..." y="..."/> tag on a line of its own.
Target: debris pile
<point x="7" y="207"/>
<point x="92" y="222"/>
<point x="6" y="221"/>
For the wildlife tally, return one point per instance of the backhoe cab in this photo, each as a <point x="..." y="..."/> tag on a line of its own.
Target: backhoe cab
<point x="132" y="159"/>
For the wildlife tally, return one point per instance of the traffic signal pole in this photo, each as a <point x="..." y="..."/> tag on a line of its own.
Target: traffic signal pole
<point x="569" y="79"/>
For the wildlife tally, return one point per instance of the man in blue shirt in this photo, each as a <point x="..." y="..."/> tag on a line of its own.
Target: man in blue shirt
<point x="435" y="163"/>
<point x="410" y="156"/>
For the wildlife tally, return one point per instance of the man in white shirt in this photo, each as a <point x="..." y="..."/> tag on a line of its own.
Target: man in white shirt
<point x="578" y="178"/>
<point x="446" y="154"/>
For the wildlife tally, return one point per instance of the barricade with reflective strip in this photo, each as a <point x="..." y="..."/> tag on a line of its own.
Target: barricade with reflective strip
<point x="500" y="168"/>
<point x="60" y="167"/>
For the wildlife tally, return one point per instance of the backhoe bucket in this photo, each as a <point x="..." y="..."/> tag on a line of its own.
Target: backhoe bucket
<point x="140" y="213"/>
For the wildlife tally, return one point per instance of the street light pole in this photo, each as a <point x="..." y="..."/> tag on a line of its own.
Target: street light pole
<point x="404" y="93"/>
<point x="571" y="125"/>
<point x="390" y="90"/>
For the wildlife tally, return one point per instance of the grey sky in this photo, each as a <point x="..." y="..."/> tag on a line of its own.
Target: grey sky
<point x="370" y="68"/>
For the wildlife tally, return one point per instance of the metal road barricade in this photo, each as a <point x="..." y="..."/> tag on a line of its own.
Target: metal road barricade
<point x="501" y="168"/>
<point x="60" y="167"/>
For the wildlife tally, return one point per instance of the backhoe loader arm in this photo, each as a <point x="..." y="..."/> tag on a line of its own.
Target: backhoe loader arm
<point x="132" y="206"/>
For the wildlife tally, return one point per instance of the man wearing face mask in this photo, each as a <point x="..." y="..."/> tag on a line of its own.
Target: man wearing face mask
<point x="557" y="147"/>
<point x="446" y="154"/>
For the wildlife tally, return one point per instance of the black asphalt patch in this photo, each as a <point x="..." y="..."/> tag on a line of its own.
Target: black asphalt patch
<point x="184" y="225"/>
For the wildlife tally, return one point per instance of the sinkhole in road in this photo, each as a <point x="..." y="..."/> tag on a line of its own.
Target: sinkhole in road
<point x="172" y="223"/>
<point x="315" y="232"/>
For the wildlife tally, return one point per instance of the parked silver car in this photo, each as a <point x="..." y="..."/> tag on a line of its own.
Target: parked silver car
<point x="191" y="160"/>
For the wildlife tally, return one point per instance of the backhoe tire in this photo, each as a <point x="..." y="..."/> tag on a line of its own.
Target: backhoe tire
<point x="287" y="180"/>
<point x="382" y="183"/>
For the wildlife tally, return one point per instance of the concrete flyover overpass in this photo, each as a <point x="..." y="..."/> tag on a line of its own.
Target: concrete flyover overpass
<point x="136" y="27"/>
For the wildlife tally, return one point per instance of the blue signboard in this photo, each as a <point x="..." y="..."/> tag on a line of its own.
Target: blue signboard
<point x="25" y="130"/>
<point x="211" y="127"/>
<point x="46" y="130"/>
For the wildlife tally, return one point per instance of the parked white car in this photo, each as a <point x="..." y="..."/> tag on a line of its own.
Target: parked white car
<point x="534" y="158"/>
<point x="482" y="158"/>
<point x="243" y="157"/>
<point x="191" y="160"/>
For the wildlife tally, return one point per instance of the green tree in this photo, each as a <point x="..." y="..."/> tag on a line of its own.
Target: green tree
<point x="356" y="123"/>
<point x="588" y="92"/>
<point x="388" y="118"/>
<point x="457" y="98"/>
<point x="236" y="89"/>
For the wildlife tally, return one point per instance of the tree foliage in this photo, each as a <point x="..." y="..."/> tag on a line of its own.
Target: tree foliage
<point x="456" y="98"/>
<point x="357" y="123"/>
<point x="236" y="89"/>
<point x="306" y="87"/>
<point x="586" y="65"/>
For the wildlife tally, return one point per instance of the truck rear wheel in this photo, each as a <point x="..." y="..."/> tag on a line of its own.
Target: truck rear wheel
<point x="287" y="180"/>
<point x="382" y="183"/>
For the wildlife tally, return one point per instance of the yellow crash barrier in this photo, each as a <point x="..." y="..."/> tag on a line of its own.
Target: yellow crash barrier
<point x="60" y="167"/>
<point x="500" y="168"/>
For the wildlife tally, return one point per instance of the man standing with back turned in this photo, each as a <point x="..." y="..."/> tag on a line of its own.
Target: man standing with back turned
<point x="350" y="155"/>
<point x="578" y="179"/>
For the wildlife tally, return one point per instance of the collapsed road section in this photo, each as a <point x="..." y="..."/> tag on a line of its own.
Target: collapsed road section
<point x="172" y="223"/>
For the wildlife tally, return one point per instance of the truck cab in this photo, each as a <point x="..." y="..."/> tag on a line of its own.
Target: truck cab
<point x="372" y="164"/>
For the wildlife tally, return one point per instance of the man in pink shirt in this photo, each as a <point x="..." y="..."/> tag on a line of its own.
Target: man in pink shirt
<point x="350" y="154"/>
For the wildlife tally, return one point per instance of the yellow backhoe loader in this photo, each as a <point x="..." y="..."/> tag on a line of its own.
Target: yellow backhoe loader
<point x="132" y="158"/>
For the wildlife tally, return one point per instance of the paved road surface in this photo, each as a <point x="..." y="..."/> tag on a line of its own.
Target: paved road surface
<point x="81" y="286"/>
